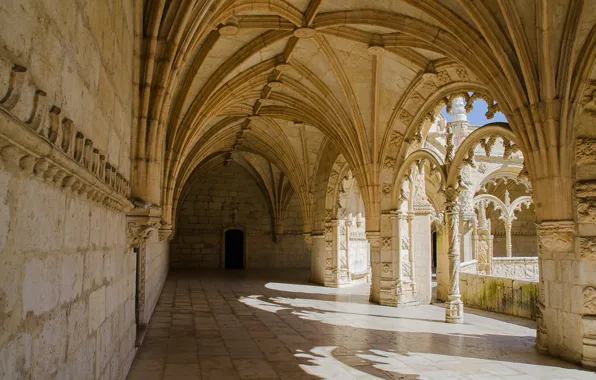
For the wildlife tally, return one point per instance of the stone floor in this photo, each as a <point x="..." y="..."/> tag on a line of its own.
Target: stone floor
<point x="275" y="325"/>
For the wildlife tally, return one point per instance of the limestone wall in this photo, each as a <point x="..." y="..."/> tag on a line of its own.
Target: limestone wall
<point x="157" y="267"/>
<point x="207" y="210"/>
<point x="67" y="285"/>
<point x="501" y="295"/>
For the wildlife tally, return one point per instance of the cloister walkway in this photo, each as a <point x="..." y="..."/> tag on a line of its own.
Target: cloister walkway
<point x="275" y="325"/>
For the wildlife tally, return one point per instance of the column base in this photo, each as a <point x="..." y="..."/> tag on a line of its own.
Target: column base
<point x="589" y="341"/>
<point x="455" y="311"/>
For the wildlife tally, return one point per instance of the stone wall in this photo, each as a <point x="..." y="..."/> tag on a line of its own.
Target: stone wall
<point x="207" y="210"/>
<point x="68" y="280"/>
<point x="67" y="289"/>
<point x="157" y="267"/>
<point x="501" y="295"/>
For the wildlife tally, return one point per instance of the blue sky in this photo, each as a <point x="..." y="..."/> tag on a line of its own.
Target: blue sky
<point x="476" y="117"/>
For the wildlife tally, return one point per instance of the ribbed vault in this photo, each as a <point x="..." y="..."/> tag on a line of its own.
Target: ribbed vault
<point x="283" y="79"/>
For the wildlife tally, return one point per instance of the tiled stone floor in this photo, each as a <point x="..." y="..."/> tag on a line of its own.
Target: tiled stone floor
<point x="275" y="325"/>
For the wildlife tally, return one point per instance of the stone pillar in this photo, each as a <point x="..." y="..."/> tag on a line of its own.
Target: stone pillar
<point x="467" y="215"/>
<point x="563" y="299"/>
<point x="387" y="286"/>
<point x="317" y="258"/>
<point x="443" y="274"/>
<point x="348" y="227"/>
<point x="484" y="241"/>
<point x="422" y="253"/>
<point x="397" y="232"/>
<point x="508" y="237"/>
<point x="142" y="223"/>
<point x="411" y="258"/>
<point x="335" y="259"/>
<point x="585" y="243"/>
<point x="455" y="308"/>
<point x="374" y="239"/>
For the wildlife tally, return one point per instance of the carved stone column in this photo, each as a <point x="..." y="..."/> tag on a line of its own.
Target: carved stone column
<point x="585" y="243"/>
<point x="411" y="259"/>
<point x="142" y="223"/>
<point x="467" y="214"/>
<point x="483" y="241"/>
<point x="387" y="285"/>
<point x="374" y="239"/>
<point x="335" y="258"/>
<point x="455" y="307"/>
<point x="508" y="237"/>
<point x="397" y="231"/>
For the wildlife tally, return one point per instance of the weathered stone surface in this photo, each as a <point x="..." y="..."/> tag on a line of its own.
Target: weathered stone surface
<point x="41" y="286"/>
<point x="49" y="347"/>
<point x="97" y="308"/>
<point x="71" y="276"/>
<point x="15" y="357"/>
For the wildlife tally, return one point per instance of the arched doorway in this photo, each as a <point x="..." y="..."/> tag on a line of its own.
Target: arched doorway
<point x="234" y="249"/>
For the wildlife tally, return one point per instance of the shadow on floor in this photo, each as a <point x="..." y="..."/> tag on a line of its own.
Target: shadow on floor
<point x="259" y="331"/>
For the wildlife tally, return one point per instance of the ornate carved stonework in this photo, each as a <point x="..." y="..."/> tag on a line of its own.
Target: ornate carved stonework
<point x="142" y="222"/>
<point x="589" y="293"/>
<point x="555" y="236"/>
<point x="585" y="150"/>
<point x="462" y="73"/>
<point x="417" y="98"/>
<point x="48" y="145"/>
<point x="139" y="233"/>
<point x="405" y="116"/>
<point x="395" y="139"/>
<point x="587" y="247"/>
<point x="387" y="188"/>
<point x="389" y="163"/>
<point x="590" y="94"/>
<point x="586" y="201"/>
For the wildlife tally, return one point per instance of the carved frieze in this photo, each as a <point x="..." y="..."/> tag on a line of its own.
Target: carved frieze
<point x="47" y="145"/>
<point x="395" y="139"/>
<point x="417" y="99"/>
<point x="462" y="73"/>
<point x="405" y="116"/>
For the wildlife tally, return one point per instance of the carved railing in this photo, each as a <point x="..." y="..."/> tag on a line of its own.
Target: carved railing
<point x="40" y="140"/>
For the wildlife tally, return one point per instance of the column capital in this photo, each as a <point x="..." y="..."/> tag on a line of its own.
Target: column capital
<point x="141" y="223"/>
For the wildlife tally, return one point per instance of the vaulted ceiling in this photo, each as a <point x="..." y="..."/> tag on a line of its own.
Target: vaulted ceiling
<point x="286" y="80"/>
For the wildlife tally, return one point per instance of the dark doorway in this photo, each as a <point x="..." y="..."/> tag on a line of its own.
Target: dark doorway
<point x="234" y="246"/>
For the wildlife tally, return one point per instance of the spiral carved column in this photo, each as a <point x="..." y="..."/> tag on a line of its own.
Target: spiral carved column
<point x="455" y="307"/>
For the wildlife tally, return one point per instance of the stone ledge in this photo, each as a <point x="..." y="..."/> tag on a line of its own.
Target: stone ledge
<point x="48" y="146"/>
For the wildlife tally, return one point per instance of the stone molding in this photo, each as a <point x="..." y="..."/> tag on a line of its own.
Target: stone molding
<point x="47" y="145"/>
